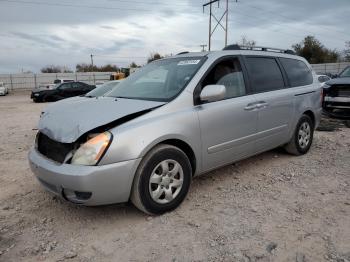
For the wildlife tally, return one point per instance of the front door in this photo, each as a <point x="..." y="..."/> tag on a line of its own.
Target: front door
<point x="228" y="126"/>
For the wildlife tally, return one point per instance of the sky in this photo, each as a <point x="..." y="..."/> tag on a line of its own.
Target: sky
<point x="37" y="33"/>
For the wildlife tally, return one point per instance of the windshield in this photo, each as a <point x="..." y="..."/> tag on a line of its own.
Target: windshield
<point x="345" y="73"/>
<point x="160" y="80"/>
<point x="102" y="90"/>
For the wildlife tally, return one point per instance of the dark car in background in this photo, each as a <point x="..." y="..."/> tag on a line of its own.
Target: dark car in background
<point x="62" y="91"/>
<point x="103" y="89"/>
<point x="336" y="96"/>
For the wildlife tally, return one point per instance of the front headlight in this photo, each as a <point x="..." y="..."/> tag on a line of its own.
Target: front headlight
<point x="91" y="152"/>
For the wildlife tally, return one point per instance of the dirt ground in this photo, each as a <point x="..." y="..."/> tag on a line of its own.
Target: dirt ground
<point x="271" y="207"/>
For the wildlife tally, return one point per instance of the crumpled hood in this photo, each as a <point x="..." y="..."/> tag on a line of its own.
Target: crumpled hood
<point x="339" y="81"/>
<point x="65" y="121"/>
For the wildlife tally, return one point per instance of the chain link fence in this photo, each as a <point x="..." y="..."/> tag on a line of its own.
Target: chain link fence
<point x="29" y="81"/>
<point x="330" y="68"/>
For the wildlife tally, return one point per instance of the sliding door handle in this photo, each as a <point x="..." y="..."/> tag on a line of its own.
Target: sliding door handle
<point x="261" y="105"/>
<point x="250" y="107"/>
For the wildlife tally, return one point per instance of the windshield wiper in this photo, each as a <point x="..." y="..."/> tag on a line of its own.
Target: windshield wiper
<point x="124" y="97"/>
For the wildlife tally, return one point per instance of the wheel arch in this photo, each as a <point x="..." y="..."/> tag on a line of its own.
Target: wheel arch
<point x="181" y="144"/>
<point x="311" y="114"/>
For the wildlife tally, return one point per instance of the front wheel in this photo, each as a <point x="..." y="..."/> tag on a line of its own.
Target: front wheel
<point x="162" y="180"/>
<point x="302" y="137"/>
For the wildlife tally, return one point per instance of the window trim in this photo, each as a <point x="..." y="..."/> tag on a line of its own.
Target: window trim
<point x="198" y="88"/>
<point x="287" y="78"/>
<point x="285" y="83"/>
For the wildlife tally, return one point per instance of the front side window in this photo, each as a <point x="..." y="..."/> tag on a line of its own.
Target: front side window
<point x="160" y="80"/>
<point x="297" y="72"/>
<point x="264" y="73"/>
<point x="64" y="86"/>
<point x="227" y="72"/>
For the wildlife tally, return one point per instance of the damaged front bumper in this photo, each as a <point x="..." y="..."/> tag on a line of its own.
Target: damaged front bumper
<point x="87" y="185"/>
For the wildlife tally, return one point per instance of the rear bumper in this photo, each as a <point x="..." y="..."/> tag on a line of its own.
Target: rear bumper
<point x="87" y="185"/>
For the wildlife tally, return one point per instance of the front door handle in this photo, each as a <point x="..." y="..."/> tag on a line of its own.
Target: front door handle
<point x="250" y="107"/>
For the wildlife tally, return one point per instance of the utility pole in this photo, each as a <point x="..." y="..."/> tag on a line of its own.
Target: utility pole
<point x="203" y="46"/>
<point x="92" y="61"/>
<point x="226" y="28"/>
<point x="218" y="21"/>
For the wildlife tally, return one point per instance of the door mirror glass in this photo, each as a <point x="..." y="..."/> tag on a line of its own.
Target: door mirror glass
<point x="212" y="93"/>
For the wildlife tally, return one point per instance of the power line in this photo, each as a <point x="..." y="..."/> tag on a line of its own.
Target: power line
<point x="287" y="18"/>
<point x="183" y="4"/>
<point x="279" y="24"/>
<point x="74" y="5"/>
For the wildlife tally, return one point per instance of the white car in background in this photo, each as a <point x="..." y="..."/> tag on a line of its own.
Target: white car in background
<point x="323" y="79"/>
<point x="60" y="81"/>
<point x="42" y="87"/>
<point x="3" y="89"/>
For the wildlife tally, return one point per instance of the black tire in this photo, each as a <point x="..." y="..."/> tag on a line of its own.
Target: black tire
<point x="36" y="100"/>
<point x="295" y="147"/>
<point x="347" y="123"/>
<point x="141" y="195"/>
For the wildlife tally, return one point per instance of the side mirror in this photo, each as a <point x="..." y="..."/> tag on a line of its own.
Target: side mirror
<point x="212" y="93"/>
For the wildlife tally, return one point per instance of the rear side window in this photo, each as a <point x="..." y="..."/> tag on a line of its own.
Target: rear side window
<point x="297" y="72"/>
<point x="264" y="73"/>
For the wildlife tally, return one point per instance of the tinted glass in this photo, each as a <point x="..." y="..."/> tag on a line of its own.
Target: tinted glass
<point x="76" y="85"/>
<point x="297" y="72"/>
<point x="160" y="80"/>
<point x="265" y="74"/>
<point x="228" y="73"/>
<point x="64" y="86"/>
<point x="345" y="73"/>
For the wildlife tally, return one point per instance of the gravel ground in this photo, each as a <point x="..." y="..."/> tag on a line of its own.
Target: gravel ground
<point x="271" y="207"/>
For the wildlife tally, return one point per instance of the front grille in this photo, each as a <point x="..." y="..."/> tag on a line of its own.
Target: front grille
<point x="340" y="90"/>
<point x="52" y="149"/>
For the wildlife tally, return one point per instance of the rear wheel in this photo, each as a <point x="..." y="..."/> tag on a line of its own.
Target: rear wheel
<point x="162" y="180"/>
<point x="302" y="137"/>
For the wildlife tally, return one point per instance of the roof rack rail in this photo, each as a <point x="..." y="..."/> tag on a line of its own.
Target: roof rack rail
<point x="259" y="48"/>
<point x="181" y="53"/>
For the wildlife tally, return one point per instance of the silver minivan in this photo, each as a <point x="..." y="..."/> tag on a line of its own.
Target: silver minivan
<point x="174" y="119"/>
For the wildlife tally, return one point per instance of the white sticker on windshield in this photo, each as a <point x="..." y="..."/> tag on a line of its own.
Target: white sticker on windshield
<point x="188" y="62"/>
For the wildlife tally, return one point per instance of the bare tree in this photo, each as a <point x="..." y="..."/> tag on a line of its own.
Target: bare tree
<point x="246" y="42"/>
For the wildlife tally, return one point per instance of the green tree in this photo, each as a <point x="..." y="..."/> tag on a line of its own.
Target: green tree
<point x="133" y="65"/>
<point x="89" y="68"/>
<point x="153" y="57"/>
<point x="51" y="69"/>
<point x="314" y="51"/>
